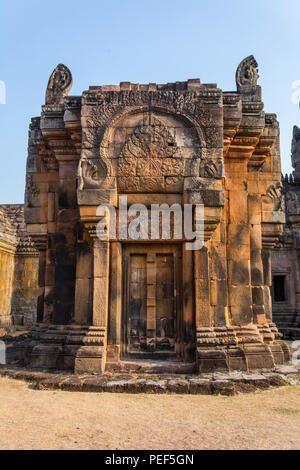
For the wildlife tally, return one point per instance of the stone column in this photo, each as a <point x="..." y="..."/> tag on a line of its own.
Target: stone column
<point x="40" y="245"/>
<point x="115" y="304"/>
<point x="7" y="267"/>
<point x="40" y="301"/>
<point x="297" y="277"/>
<point x="269" y="331"/>
<point x="218" y="276"/>
<point x="238" y="243"/>
<point x="25" y="285"/>
<point x="91" y="357"/>
<point x="267" y="274"/>
<point x="201" y="273"/>
<point x="151" y="302"/>
<point x="66" y="240"/>
<point x="257" y="271"/>
<point x="49" y="284"/>
<point x="100" y="282"/>
<point x="188" y="306"/>
<point x="84" y="284"/>
<point x="50" y="254"/>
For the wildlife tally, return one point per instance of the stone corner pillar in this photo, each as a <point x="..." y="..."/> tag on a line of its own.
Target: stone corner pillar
<point x="91" y="356"/>
<point x="114" y="343"/>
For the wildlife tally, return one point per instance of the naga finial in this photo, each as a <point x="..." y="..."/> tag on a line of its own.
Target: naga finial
<point x="247" y="73"/>
<point x="59" y="84"/>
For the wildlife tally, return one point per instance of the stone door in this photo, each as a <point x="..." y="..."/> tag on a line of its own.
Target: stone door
<point x="152" y="300"/>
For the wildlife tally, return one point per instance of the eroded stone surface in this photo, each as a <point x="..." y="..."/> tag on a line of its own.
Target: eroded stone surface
<point x="18" y="269"/>
<point x="187" y="384"/>
<point x="285" y="257"/>
<point x="109" y="305"/>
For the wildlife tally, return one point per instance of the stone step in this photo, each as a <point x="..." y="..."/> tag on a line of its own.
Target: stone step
<point x="153" y="367"/>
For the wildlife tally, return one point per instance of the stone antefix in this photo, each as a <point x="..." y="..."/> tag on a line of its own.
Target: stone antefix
<point x="286" y="256"/>
<point x="105" y="303"/>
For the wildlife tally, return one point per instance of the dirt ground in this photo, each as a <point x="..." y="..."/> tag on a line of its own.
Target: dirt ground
<point x="31" y="419"/>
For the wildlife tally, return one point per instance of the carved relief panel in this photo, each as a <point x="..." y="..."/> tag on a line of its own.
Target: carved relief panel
<point x="147" y="149"/>
<point x="150" y="159"/>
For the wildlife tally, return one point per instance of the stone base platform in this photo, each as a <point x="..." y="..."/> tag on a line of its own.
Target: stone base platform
<point x="288" y="324"/>
<point x="227" y="384"/>
<point x="82" y="349"/>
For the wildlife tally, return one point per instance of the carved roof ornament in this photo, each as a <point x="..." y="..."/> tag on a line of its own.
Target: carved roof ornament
<point x="91" y="174"/>
<point x="59" y="84"/>
<point x="247" y="73"/>
<point x="274" y="192"/>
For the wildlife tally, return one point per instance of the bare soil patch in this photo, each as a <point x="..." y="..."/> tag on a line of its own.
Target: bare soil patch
<point x="32" y="419"/>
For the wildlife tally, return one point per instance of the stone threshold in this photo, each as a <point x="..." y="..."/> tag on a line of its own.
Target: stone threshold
<point x="218" y="383"/>
<point x="150" y="366"/>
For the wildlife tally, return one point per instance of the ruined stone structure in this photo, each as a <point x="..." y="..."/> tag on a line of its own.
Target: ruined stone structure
<point x="105" y="302"/>
<point x="18" y="269"/>
<point x="286" y="257"/>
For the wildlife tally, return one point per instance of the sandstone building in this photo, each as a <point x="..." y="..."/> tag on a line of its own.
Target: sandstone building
<point x="286" y="256"/>
<point x="103" y="303"/>
<point x="18" y="269"/>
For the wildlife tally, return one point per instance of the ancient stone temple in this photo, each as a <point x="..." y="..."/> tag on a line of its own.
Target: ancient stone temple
<point x="286" y="256"/>
<point x="106" y="302"/>
<point x="18" y="269"/>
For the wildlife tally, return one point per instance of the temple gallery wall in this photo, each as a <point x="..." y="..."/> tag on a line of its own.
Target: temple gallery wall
<point x="286" y="256"/>
<point x="18" y="269"/>
<point x="105" y="302"/>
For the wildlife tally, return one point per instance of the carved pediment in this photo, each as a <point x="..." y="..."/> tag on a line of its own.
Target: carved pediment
<point x="150" y="140"/>
<point x="152" y="151"/>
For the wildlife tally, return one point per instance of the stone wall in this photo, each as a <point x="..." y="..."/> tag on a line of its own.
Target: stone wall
<point x="18" y="269"/>
<point x="183" y="143"/>
<point x="8" y="243"/>
<point x="286" y="257"/>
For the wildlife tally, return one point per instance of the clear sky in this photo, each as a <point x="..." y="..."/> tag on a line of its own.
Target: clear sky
<point x="105" y="42"/>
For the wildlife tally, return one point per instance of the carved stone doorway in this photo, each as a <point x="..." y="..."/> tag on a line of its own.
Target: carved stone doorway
<point x="152" y="301"/>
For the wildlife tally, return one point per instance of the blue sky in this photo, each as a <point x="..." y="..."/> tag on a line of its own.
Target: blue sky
<point x="105" y="42"/>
